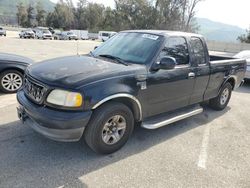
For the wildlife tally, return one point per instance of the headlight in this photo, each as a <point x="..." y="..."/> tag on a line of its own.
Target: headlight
<point x="65" y="98"/>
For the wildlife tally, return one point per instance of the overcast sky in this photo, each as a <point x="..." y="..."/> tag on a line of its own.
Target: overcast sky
<point x="234" y="12"/>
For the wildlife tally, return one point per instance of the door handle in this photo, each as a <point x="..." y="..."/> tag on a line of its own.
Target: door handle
<point x="191" y="75"/>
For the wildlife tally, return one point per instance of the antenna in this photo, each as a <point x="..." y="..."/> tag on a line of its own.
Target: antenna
<point x="77" y="47"/>
<point x="77" y="42"/>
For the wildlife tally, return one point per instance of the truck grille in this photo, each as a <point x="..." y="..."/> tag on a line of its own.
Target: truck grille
<point x="35" y="91"/>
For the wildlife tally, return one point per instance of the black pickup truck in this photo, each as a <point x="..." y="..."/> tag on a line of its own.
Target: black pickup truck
<point x="146" y="78"/>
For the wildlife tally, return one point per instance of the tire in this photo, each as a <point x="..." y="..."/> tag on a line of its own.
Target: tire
<point x="97" y="130"/>
<point x="220" y="102"/>
<point x="7" y="75"/>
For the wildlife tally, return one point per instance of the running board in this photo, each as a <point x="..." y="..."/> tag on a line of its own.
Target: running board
<point x="166" y="119"/>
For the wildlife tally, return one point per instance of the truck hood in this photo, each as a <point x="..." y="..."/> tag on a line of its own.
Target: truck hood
<point x="77" y="71"/>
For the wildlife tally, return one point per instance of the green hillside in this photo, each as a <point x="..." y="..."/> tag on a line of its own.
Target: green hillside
<point x="8" y="8"/>
<point x="219" y="31"/>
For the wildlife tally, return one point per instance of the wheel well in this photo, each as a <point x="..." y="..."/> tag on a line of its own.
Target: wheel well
<point x="232" y="82"/>
<point x="133" y="106"/>
<point x="14" y="68"/>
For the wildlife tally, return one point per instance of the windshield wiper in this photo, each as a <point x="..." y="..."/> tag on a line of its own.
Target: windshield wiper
<point x="119" y="60"/>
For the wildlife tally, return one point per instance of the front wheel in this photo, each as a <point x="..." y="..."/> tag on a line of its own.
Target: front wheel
<point x="109" y="128"/>
<point x="220" y="102"/>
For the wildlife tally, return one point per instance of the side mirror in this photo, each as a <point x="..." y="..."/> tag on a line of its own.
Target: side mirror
<point x="95" y="47"/>
<point x="165" y="63"/>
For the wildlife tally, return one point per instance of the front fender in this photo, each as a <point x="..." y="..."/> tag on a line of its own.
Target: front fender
<point x="124" y="89"/>
<point x="8" y="66"/>
<point x="99" y="91"/>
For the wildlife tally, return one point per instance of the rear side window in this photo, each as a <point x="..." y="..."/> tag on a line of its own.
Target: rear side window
<point x="105" y="34"/>
<point x="177" y="48"/>
<point x="198" y="50"/>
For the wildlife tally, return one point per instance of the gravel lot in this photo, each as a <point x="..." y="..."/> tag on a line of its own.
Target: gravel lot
<point x="209" y="150"/>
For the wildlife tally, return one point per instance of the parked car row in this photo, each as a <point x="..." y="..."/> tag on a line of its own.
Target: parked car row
<point x="50" y="33"/>
<point x="38" y="33"/>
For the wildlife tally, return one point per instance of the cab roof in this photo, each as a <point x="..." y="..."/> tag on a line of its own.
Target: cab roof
<point x="165" y="33"/>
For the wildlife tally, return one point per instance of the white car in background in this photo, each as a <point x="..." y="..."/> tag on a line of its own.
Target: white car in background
<point x="81" y="34"/>
<point x="105" y="35"/>
<point x="43" y="34"/>
<point x="245" y="55"/>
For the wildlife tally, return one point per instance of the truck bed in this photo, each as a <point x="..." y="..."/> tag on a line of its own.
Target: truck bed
<point x="225" y="60"/>
<point x="221" y="67"/>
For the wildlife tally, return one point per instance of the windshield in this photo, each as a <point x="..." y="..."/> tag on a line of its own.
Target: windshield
<point x="46" y="31"/>
<point x="131" y="47"/>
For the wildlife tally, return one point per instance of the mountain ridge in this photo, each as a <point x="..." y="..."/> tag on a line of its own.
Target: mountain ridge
<point x="213" y="30"/>
<point x="9" y="7"/>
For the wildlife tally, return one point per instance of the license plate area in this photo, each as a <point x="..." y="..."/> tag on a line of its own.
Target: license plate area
<point x="21" y="113"/>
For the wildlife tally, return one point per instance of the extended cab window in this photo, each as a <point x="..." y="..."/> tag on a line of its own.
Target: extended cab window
<point x="198" y="50"/>
<point x="176" y="47"/>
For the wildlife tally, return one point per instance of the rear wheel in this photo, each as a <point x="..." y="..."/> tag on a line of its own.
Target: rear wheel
<point x="11" y="81"/>
<point x="220" y="102"/>
<point x="110" y="128"/>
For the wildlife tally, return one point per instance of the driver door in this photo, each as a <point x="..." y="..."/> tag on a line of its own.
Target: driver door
<point x="168" y="90"/>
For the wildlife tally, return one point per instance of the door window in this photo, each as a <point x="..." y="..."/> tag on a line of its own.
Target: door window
<point x="177" y="48"/>
<point x="198" y="51"/>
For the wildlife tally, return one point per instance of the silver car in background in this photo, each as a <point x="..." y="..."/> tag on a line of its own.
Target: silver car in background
<point x="245" y="55"/>
<point x="28" y="33"/>
<point x="2" y="32"/>
<point x="68" y="35"/>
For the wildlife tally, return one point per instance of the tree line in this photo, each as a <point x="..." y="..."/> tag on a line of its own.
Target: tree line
<point x="245" y="38"/>
<point x="127" y="14"/>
